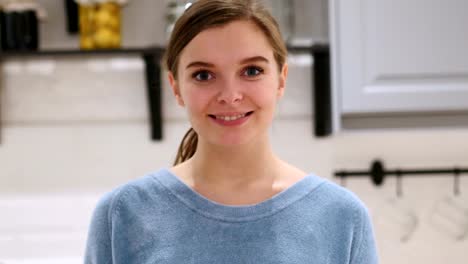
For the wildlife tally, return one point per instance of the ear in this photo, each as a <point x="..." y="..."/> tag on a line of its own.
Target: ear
<point x="282" y="80"/>
<point x="175" y="89"/>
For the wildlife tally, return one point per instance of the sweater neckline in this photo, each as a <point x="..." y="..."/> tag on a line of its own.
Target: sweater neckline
<point x="236" y="213"/>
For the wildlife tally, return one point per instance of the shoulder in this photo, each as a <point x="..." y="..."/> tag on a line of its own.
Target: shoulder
<point x="133" y="192"/>
<point x="341" y="195"/>
<point x="339" y="203"/>
<point x="347" y="220"/>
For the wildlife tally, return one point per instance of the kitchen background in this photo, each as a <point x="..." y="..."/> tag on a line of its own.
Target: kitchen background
<point x="73" y="128"/>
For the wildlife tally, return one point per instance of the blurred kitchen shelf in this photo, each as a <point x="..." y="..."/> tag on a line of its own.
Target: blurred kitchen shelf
<point x="61" y="52"/>
<point x="308" y="48"/>
<point x="150" y="55"/>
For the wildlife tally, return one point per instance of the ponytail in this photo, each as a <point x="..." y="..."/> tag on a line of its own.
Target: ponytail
<point x="187" y="146"/>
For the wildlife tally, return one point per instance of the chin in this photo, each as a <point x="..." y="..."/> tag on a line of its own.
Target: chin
<point x="232" y="137"/>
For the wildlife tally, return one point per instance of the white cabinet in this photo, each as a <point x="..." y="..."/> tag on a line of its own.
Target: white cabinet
<point x="393" y="56"/>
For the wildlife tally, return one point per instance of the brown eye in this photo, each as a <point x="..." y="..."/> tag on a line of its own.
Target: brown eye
<point x="202" y="76"/>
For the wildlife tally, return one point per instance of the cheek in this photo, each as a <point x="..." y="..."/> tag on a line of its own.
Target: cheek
<point x="265" y="94"/>
<point x="196" y="100"/>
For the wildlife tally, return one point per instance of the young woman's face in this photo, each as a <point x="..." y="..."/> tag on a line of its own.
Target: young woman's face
<point x="229" y="82"/>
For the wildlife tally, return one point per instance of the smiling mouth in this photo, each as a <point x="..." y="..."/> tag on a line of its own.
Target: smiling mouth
<point x="230" y="118"/>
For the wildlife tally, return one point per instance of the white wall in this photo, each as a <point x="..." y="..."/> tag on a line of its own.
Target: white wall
<point x="73" y="128"/>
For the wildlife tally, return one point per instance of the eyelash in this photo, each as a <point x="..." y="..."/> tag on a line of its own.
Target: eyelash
<point x="258" y="69"/>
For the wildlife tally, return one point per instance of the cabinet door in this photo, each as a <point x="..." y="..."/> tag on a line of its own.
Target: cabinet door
<point x="400" y="55"/>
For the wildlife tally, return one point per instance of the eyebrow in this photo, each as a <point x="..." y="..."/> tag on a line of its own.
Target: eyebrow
<point x="244" y="61"/>
<point x="255" y="59"/>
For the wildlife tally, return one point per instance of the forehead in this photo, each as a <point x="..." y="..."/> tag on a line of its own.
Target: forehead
<point x="228" y="44"/>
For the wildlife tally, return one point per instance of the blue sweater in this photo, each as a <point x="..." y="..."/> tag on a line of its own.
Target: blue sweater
<point x="159" y="219"/>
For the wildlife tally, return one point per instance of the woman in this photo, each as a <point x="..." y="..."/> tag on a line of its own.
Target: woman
<point x="229" y="198"/>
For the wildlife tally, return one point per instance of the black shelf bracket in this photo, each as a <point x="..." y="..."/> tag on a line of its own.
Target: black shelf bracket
<point x="151" y="57"/>
<point x="154" y="92"/>
<point x="321" y="87"/>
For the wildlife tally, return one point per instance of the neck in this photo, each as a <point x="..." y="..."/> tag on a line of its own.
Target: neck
<point x="238" y="166"/>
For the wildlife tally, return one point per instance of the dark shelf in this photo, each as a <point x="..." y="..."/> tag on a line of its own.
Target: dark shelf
<point x="318" y="47"/>
<point x="131" y="50"/>
<point x="64" y="52"/>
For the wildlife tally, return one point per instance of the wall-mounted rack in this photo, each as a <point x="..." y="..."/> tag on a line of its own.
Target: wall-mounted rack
<point x="151" y="57"/>
<point x="377" y="174"/>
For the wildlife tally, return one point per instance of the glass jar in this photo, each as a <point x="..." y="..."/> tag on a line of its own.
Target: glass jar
<point x="19" y="22"/>
<point x="100" y="24"/>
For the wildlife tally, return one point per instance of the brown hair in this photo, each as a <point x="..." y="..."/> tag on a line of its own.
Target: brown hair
<point x="204" y="14"/>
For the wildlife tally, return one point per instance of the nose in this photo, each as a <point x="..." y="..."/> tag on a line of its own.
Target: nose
<point x="230" y="93"/>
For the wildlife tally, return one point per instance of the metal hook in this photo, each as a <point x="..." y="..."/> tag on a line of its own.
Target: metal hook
<point x="456" y="181"/>
<point x="399" y="188"/>
<point x="343" y="180"/>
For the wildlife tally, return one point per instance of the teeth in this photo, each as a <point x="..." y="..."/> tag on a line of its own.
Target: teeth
<point x="230" y="118"/>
